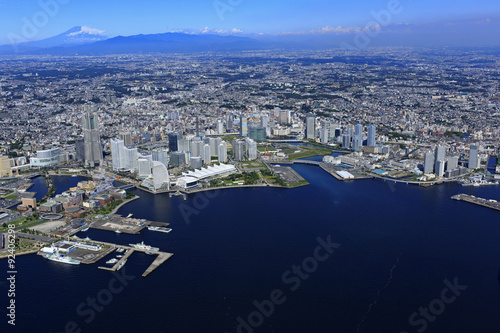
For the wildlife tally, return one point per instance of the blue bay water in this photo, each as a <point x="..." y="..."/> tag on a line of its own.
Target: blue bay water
<point x="236" y="246"/>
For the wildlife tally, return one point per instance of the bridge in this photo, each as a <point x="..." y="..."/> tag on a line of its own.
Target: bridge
<point x="127" y="187"/>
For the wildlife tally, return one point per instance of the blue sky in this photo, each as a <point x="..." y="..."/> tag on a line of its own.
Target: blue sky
<point x="250" y="16"/>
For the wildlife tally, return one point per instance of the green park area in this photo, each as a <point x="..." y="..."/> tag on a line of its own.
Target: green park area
<point x="308" y="151"/>
<point x="252" y="164"/>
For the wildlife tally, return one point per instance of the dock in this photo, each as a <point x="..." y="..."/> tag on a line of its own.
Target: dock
<point x="119" y="262"/>
<point x="490" y="203"/>
<point x="162" y="257"/>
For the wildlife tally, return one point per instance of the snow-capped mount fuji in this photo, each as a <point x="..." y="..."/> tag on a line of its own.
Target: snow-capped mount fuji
<point x="78" y="35"/>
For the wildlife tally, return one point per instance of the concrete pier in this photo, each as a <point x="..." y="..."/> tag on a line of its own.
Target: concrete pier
<point x="493" y="204"/>
<point x="162" y="257"/>
<point x="119" y="262"/>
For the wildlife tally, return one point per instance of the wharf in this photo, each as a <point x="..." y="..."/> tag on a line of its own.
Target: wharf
<point x="162" y="257"/>
<point x="117" y="264"/>
<point x="493" y="204"/>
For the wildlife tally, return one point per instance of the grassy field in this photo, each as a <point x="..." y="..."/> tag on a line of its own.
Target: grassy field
<point x="11" y="197"/>
<point x="252" y="164"/>
<point x="309" y="151"/>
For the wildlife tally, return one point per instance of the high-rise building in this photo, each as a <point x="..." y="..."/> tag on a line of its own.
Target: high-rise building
<point x="144" y="167"/>
<point x="451" y="163"/>
<point x="117" y="146"/>
<point x="264" y="121"/>
<point x="126" y="137"/>
<point x="358" y="132"/>
<point x="172" y="141"/>
<point x="207" y="156"/>
<point x="160" y="155"/>
<point x="440" y="168"/>
<point x="214" y="145"/>
<point x="356" y="143"/>
<point x="222" y="152"/>
<point x="346" y="141"/>
<point x="429" y="162"/>
<point x="284" y="117"/>
<point x="440" y="155"/>
<point x="91" y="138"/>
<point x="238" y="150"/>
<point x="257" y="133"/>
<point x="251" y="149"/>
<point x="220" y="127"/>
<point x="474" y="162"/>
<point x="178" y="159"/>
<point x="197" y="148"/>
<point x="324" y="135"/>
<point x="79" y="149"/>
<point x="310" y="126"/>
<point x="243" y="126"/>
<point x="184" y="145"/>
<point x="371" y="136"/>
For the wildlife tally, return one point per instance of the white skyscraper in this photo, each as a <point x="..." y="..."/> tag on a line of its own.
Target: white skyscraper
<point x="207" y="156"/>
<point x="251" y="149"/>
<point x="116" y="151"/>
<point x="222" y="152"/>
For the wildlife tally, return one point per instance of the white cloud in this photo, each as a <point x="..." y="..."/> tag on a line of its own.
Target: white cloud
<point x="88" y="30"/>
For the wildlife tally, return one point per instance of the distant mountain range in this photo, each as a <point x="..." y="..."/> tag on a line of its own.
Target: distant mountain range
<point x="84" y="41"/>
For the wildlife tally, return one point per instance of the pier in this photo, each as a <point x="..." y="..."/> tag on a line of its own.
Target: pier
<point x="119" y="262"/>
<point x="490" y="203"/>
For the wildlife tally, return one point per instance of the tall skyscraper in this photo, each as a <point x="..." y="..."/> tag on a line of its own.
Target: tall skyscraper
<point x="222" y="152"/>
<point x="91" y="138"/>
<point x="117" y="146"/>
<point x="172" y="141"/>
<point x="358" y="133"/>
<point x="238" y="150"/>
<point x="243" y="126"/>
<point x="310" y="126"/>
<point x="207" y="156"/>
<point x="439" y="156"/>
<point x="429" y="162"/>
<point x="251" y="149"/>
<point x="474" y="162"/>
<point x="160" y="155"/>
<point x="371" y="136"/>
<point x="79" y="149"/>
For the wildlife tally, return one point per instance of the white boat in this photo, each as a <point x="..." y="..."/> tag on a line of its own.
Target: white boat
<point x="120" y="249"/>
<point x="112" y="261"/>
<point x="142" y="246"/>
<point x="85" y="229"/>
<point x="119" y="256"/>
<point x="129" y="215"/>
<point x="160" y="229"/>
<point x="121" y="264"/>
<point x="64" y="259"/>
<point x="118" y="231"/>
